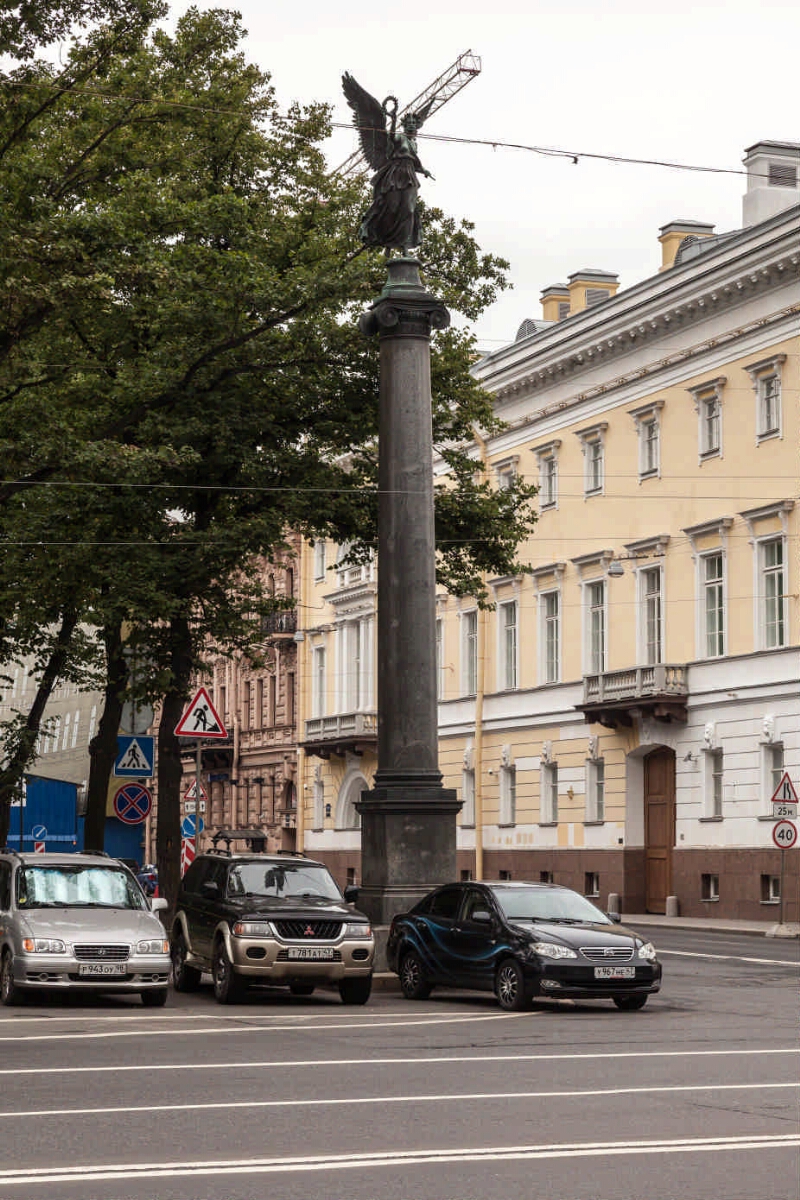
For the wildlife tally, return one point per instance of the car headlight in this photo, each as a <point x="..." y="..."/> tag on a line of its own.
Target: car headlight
<point x="647" y="951"/>
<point x="43" y="946"/>
<point x="357" y="929"/>
<point x="154" y="946"/>
<point x="551" y="950"/>
<point x="253" y="929"/>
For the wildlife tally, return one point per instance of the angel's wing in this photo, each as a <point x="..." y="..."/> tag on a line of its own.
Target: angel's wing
<point x="370" y="120"/>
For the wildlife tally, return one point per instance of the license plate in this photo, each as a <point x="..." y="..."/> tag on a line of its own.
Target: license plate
<point x="615" y="972"/>
<point x="313" y="953"/>
<point x="102" y="969"/>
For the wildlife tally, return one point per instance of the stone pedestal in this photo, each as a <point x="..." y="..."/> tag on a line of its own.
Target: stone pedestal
<point x="408" y="820"/>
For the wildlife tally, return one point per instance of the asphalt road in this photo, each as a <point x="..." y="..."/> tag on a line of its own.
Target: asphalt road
<point x="696" y="1097"/>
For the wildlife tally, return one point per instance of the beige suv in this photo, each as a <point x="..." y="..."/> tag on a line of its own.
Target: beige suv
<point x="278" y="920"/>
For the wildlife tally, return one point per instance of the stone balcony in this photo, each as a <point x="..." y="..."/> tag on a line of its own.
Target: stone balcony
<point x="614" y="698"/>
<point x="345" y="733"/>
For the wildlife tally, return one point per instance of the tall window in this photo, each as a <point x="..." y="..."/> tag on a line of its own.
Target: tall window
<point x="769" y="405"/>
<point x="648" y="447"/>
<point x="318" y="682"/>
<point x="594" y="466"/>
<point x="508" y="645"/>
<point x="652" y="625"/>
<point x="439" y="659"/>
<point x="548" y="481"/>
<point x="772" y="768"/>
<point x="506" y="474"/>
<point x="710" y="440"/>
<point x="259" y="718"/>
<point x="468" y="796"/>
<point x="352" y="666"/>
<point x="595" y="789"/>
<point x="596" y="627"/>
<point x="508" y="795"/>
<point x="713" y="604"/>
<point x="713" y="777"/>
<point x="551" y="636"/>
<point x="273" y="700"/>
<point x="772" y="594"/>
<point x="469" y="650"/>
<point x="549" y="793"/>
<point x="246" y="705"/>
<point x="320" y="554"/>
<point x="290" y="690"/>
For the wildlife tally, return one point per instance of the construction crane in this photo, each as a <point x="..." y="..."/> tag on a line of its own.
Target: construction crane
<point x="447" y="85"/>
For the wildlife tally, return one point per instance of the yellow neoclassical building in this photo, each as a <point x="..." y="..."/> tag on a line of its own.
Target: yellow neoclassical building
<point x="620" y="719"/>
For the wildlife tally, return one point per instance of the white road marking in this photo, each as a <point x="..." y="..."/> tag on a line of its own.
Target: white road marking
<point x="447" y="1097"/>
<point x="769" y="962"/>
<point x="148" y="1031"/>
<point x="371" y="1161"/>
<point x="474" y="1059"/>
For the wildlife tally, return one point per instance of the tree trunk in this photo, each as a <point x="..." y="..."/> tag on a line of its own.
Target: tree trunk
<point x="170" y="769"/>
<point x="24" y="740"/>
<point x="103" y="749"/>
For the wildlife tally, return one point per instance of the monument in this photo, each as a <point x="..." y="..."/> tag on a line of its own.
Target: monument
<point x="408" y="820"/>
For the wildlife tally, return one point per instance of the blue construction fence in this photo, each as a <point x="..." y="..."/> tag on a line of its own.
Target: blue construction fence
<point x="48" y="815"/>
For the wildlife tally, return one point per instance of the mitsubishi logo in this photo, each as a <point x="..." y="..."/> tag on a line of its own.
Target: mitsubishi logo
<point x="308" y="931"/>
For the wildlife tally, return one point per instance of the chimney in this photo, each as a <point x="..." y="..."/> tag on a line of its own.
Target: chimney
<point x="589" y="287"/>
<point x="555" y="302"/>
<point x="677" y="233"/>
<point x="773" y="180"/>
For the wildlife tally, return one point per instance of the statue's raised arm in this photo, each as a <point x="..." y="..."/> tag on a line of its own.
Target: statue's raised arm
<point x="392" y="220"/>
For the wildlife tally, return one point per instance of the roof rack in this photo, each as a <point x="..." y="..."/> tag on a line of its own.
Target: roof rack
<point x="96" y="853"/>
<point x="256" y="839"/>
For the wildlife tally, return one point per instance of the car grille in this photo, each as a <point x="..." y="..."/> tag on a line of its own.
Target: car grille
<point x="283" y="956"/>
<point x="86" y="953"/>
<point x="299" y="929"/>
<point x="607" y="954"/>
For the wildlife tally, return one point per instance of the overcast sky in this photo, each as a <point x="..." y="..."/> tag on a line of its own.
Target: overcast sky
<point x="689" y="82"/>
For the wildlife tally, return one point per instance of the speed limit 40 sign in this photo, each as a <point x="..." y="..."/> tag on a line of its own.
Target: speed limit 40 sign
<point x="784" y="834"/>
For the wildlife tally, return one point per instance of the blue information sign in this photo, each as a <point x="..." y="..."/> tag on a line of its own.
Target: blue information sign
<point x="187" y="825"/>
<point x="135" y="756"/>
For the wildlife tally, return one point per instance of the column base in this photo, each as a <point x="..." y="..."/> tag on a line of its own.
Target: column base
<point x="408" y="846"/>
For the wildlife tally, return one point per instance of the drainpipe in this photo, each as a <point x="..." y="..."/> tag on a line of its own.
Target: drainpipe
<point x="479" y="693"/>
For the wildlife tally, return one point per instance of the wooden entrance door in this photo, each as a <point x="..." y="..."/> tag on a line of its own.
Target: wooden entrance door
<point x="659" y="827"/>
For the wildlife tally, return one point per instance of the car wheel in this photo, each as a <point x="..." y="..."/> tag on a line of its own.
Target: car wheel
<point x="413" y="983"/>
<point x="184" y="977"/>
<point x="155" y="998"/>
<point x="10" y="993"/>
<point x="510" y="987"/>
<point x="355" y="991"/>
<point x="229" y="988"/>
<point x="301" y="989"/>
<point x="630" y="1003"/>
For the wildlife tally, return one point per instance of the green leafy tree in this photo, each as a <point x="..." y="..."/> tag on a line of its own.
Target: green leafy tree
<point x="181" y="376"/>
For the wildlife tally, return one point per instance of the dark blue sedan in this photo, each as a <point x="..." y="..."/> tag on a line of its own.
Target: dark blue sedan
<point x="520" y="940"/>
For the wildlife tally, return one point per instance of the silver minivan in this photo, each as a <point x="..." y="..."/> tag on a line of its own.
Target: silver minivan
<point x="78" y="921"/>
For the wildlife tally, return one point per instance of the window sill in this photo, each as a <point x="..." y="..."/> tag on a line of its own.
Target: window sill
<point x="506" y="825"/>
<point x="705" y="455"/>
<point x="595" y="822"/>
<point x="594" y="492"/>
<point x="709" y="899"/>
<point x="768" y="903"/>
<point x="548" y="824"/>
<point x="469" y="826"/>
<point x="709" y="820"/>
<point x="648" y="475"/>
<point x="764" y="817"/>
<point x="768" y="436"/>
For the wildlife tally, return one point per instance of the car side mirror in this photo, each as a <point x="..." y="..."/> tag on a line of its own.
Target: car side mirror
<point x="211" y="888"/>
<point x="615" y="917"/>
<point x="351" y="893"/>
<point x="481" y="916"/>
<point x="158" y="904"/>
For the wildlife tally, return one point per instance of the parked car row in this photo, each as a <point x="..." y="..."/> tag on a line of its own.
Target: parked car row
<point x="279" y="920"/>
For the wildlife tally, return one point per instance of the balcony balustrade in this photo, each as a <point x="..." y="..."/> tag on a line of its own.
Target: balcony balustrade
<point x="614" y="698"/>
<point x="341" y="734"/>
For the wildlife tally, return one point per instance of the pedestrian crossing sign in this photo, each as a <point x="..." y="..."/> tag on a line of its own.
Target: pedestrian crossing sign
<point x="135" y="757"/>
<point x="201" y="719"/>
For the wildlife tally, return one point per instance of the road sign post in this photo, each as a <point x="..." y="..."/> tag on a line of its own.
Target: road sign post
<point x="784" y="835"/>
<point x="201" y="720"/>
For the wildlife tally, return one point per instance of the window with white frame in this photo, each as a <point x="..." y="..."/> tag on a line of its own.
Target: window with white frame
<point x="712" y="566"/>
<point x="318" y="681"/>
<point x="351" y="664"/>
<point x="772" y="593"/>
<point x="469" y="653"/>
<point x="548" y="784"/>
<point x="506" y="473"/>
<point x="595" y="789"/>
<point x="651" y="609"/>
<point x="439" y="658"/>
<point x="319" y="804"/>
<point x="766" y="380"/>
<point x="508" y="618"/>
<point x="550" y="639"/>
<point x="320" y="553"/>
<point x="713" y="781"/>
<point x="508" y="795"/>
<point x="468" y="797"/>
<point x="648" y="427"/>
<point x="547" y="457"/>
<point x="595" y="602"/>
<point x="707" y="399"/>
<point x="772" y="769"/>
<point x="592" y="441"/>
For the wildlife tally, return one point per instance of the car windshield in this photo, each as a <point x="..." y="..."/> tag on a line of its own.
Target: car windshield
<point x="78" y="886"/>
<point x="282" y="879"/>
<point x="531" y="904"/>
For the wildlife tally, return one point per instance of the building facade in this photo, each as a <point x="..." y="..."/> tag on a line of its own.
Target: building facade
<point x="621" y="718"/>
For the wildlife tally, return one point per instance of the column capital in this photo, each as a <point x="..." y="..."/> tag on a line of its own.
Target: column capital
<point x="404" y="308"/>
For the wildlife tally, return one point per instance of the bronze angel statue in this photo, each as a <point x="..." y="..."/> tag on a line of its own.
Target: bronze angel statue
<point x="392" y="220"/>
